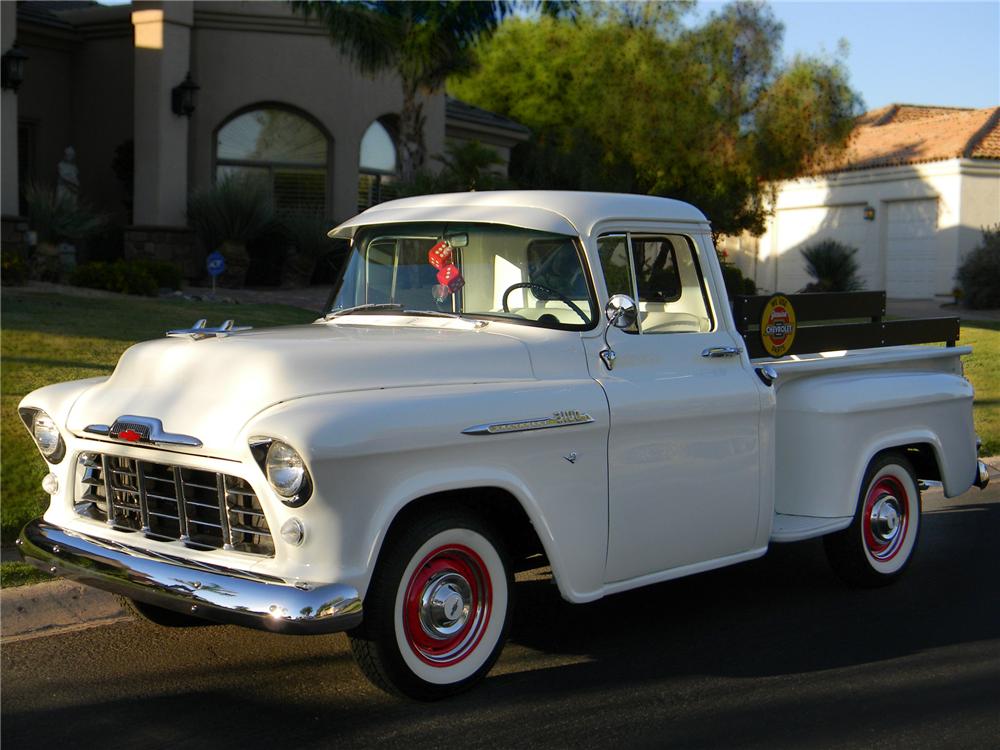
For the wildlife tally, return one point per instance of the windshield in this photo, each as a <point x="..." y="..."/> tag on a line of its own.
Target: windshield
<point x="476" y="270"/>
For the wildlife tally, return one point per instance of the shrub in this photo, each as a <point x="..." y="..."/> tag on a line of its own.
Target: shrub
<point x="141" y="276"/>
<point x="979" y="273"/>
<point x="736" y="282"/>
<point x="833" y="267"/>
<point x="13" y="268"/>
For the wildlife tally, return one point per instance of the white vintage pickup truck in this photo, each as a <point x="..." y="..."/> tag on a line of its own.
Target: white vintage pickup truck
<point x="502" y="381"/>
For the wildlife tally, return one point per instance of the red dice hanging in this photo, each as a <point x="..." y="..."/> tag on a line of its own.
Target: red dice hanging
<point x="439" y="256"/>
<point x="451" y="277"/>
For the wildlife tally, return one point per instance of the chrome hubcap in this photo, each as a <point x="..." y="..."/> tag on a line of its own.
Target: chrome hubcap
<point x="885" y="518"/>
<point x="444" y="605"/>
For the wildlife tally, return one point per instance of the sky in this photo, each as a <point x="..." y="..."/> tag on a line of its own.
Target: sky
<point x="943" y="53"/>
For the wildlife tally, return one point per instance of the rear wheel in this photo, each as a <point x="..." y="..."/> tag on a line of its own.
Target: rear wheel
<point x="879" y="544"/>
<point x="438" y="608"/>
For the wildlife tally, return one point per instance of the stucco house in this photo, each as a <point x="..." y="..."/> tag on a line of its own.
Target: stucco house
<point x="273" y="96"/>
<point x="912" y="192"/>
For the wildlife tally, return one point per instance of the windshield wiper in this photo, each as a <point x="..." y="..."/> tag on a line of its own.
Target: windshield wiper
<point x="394" y="306"/>
<point x="432" y="313"/>
<point x="363" y="308"/>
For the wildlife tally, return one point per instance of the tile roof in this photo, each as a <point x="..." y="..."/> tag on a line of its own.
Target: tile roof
<point x="911" y="134"/>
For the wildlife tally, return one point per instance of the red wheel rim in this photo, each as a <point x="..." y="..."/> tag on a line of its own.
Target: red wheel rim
<point x="886" y="518"/>
<point x="447" y="605"/>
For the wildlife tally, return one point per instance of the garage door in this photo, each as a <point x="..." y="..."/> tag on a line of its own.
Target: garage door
<point x="911" y="249"/>
<point x="800" y="227"/>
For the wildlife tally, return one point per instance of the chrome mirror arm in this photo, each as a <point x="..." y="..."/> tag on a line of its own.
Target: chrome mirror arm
<point x="621" y="312"/>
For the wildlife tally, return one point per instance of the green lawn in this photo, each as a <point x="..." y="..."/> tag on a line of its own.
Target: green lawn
<point x="49" y="338"/>
<point x="982" y="368"/>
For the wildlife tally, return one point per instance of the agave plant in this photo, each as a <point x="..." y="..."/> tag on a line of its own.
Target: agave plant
<point x="307" y="245"/>
<point x="59" y="218"/>
<point x="833" y="267"/>
<point x="228" y="215"/>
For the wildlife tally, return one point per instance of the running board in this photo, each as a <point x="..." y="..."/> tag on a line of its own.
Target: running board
<point x="785" y="528"/>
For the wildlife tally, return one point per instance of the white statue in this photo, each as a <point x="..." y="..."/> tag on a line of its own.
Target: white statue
<point x="69" y="177"/>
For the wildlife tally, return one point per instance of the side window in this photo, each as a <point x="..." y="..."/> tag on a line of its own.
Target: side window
<point x="661" y="272"/>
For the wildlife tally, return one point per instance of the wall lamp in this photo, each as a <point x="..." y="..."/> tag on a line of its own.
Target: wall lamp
<point x="869" y="213"/>
<point x="12" y="68"/>
<point x="182" y="96"/>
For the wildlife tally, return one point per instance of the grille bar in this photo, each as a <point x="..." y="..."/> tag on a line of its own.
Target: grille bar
<point x="201" y="509"/>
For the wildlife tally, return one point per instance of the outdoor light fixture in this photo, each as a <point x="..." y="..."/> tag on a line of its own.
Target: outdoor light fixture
<point x="869" y="213"/>
<point x="12" y="68"/>
<point x="182" y="96"/>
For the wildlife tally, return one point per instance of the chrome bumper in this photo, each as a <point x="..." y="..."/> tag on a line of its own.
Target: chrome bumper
<point x="982" y="475"/>
<point x="215" y="593"/>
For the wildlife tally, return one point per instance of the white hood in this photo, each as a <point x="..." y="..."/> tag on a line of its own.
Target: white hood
<point x="209" y="389"/>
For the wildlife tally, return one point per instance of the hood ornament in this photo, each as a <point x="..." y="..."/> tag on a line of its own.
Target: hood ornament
<point x="200" y="330"/>
<point x="142" y="431"/>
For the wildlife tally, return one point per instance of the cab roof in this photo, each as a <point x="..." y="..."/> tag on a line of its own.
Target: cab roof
<point x="556" y="211"/>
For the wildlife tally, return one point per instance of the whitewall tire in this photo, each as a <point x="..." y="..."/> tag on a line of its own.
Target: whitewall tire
<point x="437" y="611"/>
<point x="880" y="542"/>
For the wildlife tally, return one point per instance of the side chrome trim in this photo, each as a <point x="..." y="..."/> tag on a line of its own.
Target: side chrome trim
<point x="208" y="591"/>
<point x="558" y="419"/>
<point x="144" y="430"/>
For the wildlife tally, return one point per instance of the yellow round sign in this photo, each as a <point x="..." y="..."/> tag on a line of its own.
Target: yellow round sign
<point x="777" y="325"/>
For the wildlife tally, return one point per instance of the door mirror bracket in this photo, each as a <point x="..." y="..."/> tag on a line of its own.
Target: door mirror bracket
<point x="621" y="312"/>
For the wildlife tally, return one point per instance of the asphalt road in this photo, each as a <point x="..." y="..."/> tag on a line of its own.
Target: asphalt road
<point x="774" y="653"/>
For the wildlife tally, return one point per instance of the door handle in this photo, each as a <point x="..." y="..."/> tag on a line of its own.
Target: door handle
<point x="721" y="351"/>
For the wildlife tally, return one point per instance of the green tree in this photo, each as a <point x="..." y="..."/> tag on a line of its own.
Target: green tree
<point x="626" y="97"/>
<point x="422" y="41"/>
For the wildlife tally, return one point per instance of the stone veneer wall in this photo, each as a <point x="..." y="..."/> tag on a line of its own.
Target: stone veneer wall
<point x="175" y="245"/>
<point x="12" y="236"/>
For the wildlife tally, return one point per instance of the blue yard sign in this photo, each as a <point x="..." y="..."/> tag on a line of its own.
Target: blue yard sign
<point x="216" y="264"/>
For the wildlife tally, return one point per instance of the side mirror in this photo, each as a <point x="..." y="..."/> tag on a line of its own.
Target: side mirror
<point x="621" y="311"/>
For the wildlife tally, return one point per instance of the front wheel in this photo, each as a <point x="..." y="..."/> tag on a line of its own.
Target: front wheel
<point x="437" y="610"/>
<point x="879" y="544"/>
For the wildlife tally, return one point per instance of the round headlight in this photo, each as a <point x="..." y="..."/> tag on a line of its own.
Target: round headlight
<point x="284" y="468"/>
<point x="46" y="434"/>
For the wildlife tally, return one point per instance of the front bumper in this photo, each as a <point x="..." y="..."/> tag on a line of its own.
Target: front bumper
<point x="982" y="475"/>
<point x="215" y="593"/>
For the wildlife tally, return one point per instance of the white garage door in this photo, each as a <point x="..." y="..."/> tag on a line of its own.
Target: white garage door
<point x="800" y="227"/>
<point x="911" y="249"/>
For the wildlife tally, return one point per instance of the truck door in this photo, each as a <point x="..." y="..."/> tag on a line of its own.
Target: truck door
<point x="683" y="450"/>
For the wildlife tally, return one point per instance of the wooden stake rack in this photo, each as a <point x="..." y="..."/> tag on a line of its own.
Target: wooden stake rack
<point x="836" y="321"/>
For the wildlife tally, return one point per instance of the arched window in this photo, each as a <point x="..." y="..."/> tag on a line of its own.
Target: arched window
<point x="377" y="166"/>
<point x="284" y="148"/>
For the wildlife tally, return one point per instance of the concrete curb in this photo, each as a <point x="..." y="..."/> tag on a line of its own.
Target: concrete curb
<point x="61" y="606"/>
<point x="55" y="606"/>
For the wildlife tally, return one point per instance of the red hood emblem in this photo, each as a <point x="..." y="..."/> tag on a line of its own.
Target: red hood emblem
<point x="131" y="435"/>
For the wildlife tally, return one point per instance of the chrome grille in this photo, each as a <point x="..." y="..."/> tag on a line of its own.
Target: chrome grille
<point x="203" y="509"/>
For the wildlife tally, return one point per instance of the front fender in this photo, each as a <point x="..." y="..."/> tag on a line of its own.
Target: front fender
<point x="57" y="400"/>
<point x="371" y="453"/>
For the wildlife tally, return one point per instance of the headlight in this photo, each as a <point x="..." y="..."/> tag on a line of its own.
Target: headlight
<point x="45" y="433"/>
<point x="284" y="468"/>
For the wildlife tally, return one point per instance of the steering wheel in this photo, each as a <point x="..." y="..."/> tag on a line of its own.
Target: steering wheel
<point x="533" y="285"/>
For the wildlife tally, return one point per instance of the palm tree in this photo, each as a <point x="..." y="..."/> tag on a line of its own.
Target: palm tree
<point x="424" y="42"/>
